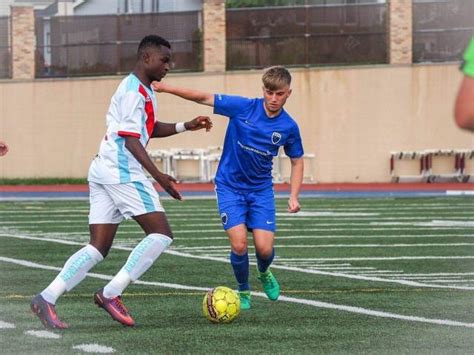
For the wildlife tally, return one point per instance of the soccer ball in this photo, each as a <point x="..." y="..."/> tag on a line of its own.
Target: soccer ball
<point x="221" y="305"/>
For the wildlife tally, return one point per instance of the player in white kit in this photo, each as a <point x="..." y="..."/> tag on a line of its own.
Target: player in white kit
<point x="119" y="188"/>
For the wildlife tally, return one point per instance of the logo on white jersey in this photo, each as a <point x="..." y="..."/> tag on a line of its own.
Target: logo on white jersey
<point x="276" y="137"/>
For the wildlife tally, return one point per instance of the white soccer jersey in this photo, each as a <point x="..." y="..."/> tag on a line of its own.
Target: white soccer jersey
<point x="131" y="113"/>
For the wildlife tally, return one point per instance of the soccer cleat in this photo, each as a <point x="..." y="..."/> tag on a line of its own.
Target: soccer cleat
<point x="245" y="300"/>
<point x="270" y="284"/>
<point x="114" y="307"/>
<point x="46" y="312"/>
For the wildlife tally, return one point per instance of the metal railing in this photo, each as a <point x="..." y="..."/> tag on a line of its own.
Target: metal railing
<point x="5" y="49"/>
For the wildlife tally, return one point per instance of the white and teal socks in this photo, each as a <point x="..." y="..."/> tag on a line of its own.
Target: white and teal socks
<point x="140" y="260"/>
<point x="73" y="272"/>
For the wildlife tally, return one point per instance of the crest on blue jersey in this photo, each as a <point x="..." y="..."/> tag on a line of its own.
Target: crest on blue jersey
<point x="276" y="137"/>
<point x="224" y="218"/>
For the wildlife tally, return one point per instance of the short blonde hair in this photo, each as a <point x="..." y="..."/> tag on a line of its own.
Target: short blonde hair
<point x="276" y="77"/>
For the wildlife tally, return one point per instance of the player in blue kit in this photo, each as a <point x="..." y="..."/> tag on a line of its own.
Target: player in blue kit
<point x="257" y="129"/>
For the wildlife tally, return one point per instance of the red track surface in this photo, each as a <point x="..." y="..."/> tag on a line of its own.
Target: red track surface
<point x="278" y="187"/>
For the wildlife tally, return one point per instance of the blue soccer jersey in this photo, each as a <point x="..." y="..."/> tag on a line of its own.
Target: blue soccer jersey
<point x="252" y="140"/>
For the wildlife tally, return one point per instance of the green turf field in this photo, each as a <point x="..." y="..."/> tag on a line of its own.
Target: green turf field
<point x="384" y="275"/>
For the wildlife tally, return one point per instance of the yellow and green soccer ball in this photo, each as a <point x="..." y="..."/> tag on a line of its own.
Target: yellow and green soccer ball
<point x="221" y="305"/>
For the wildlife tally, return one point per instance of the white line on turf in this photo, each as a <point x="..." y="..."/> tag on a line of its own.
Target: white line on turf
<point x="325" y="214"/>
<point x="205" y="248"/>
<point x="368" y="228"/>
<point x="313" y="303"/>
<point x="434" y="223"/>
<point x="376" y="313"/>
<point x="43" y="334"/>
<point x="276" y="266"/>
<point x="6" y="325"/>
<point x="94" y="348"/>
<point x="340" y="208"/>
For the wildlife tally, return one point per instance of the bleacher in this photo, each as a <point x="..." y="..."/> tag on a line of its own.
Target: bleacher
<point x="200" y="164"/>
<point x="432" y="165"/>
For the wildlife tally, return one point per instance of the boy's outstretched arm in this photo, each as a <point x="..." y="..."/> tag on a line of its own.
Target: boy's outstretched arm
<point x="163" y="129"/>
<point x="189" y="94"/>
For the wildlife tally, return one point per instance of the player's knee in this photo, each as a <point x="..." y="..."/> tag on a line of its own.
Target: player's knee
<point x="265" y="252"/>
<point x="240" y="248"/>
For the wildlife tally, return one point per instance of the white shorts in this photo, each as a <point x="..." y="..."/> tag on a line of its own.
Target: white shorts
<point x="111" y="203"/>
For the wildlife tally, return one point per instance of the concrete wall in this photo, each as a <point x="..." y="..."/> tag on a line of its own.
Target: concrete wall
<point x="351" y="118"/>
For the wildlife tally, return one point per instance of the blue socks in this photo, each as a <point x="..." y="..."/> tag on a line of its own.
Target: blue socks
<point x="240" y="265"/>
<point x="263" y="264"/>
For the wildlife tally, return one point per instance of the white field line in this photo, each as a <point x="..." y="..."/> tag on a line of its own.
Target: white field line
<point x="85" y="236"/>
<point x="325" y="214"/>
<point x="288" y="268"/>
<point x="370" y="273"/>
<point x="226" y="247"/>
<point x="375" y="313"/>
<point x="330" y="236"/>
<point x="428" y="278"/>
<point x="453" y="281"/>
<point x="94" y="348"/>
<point x="340" y="209"/>
<point x="335" y="274"/>
<point x="373" y="258"/>
<point x="172" y="223"/>
<point x="216" y="219"/>
<point x="347" y="268"/>
<point x="434" y="223"/>
<point x="441" y="274"/>
<point x="43" y="334"/>
<point x="6" y="325"/>
<point x="459" y="193"/>
<point x="301" y="214"/>
<point x="280" y="230"/>
<point x="318" y="304"/>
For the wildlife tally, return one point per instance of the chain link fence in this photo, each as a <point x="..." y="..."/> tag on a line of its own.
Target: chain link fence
<point x="106" y="44"/>
<point x="441" y="29"/>
<point x="306" y="35"/>
<point x="5" y="50"/>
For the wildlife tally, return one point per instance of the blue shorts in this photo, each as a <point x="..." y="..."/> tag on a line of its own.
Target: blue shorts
<point x="255" y="209"/>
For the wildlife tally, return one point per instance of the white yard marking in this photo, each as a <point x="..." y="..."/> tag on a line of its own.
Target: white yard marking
<point x="351" y="309"/>
<point x="398" y="245"/>
<point x="94" y="348"/>
<point x="325" y="214"/>
<point x="276" y="266"/>
<point x="329" y="236"/>
<point x="6" y="325"/>
<point x="434" y="223"/>
<point x="440" y="257"/>
<point x="43" y="334"/>
<point x="460" y="193"/>
<point x="376" y="313"/>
